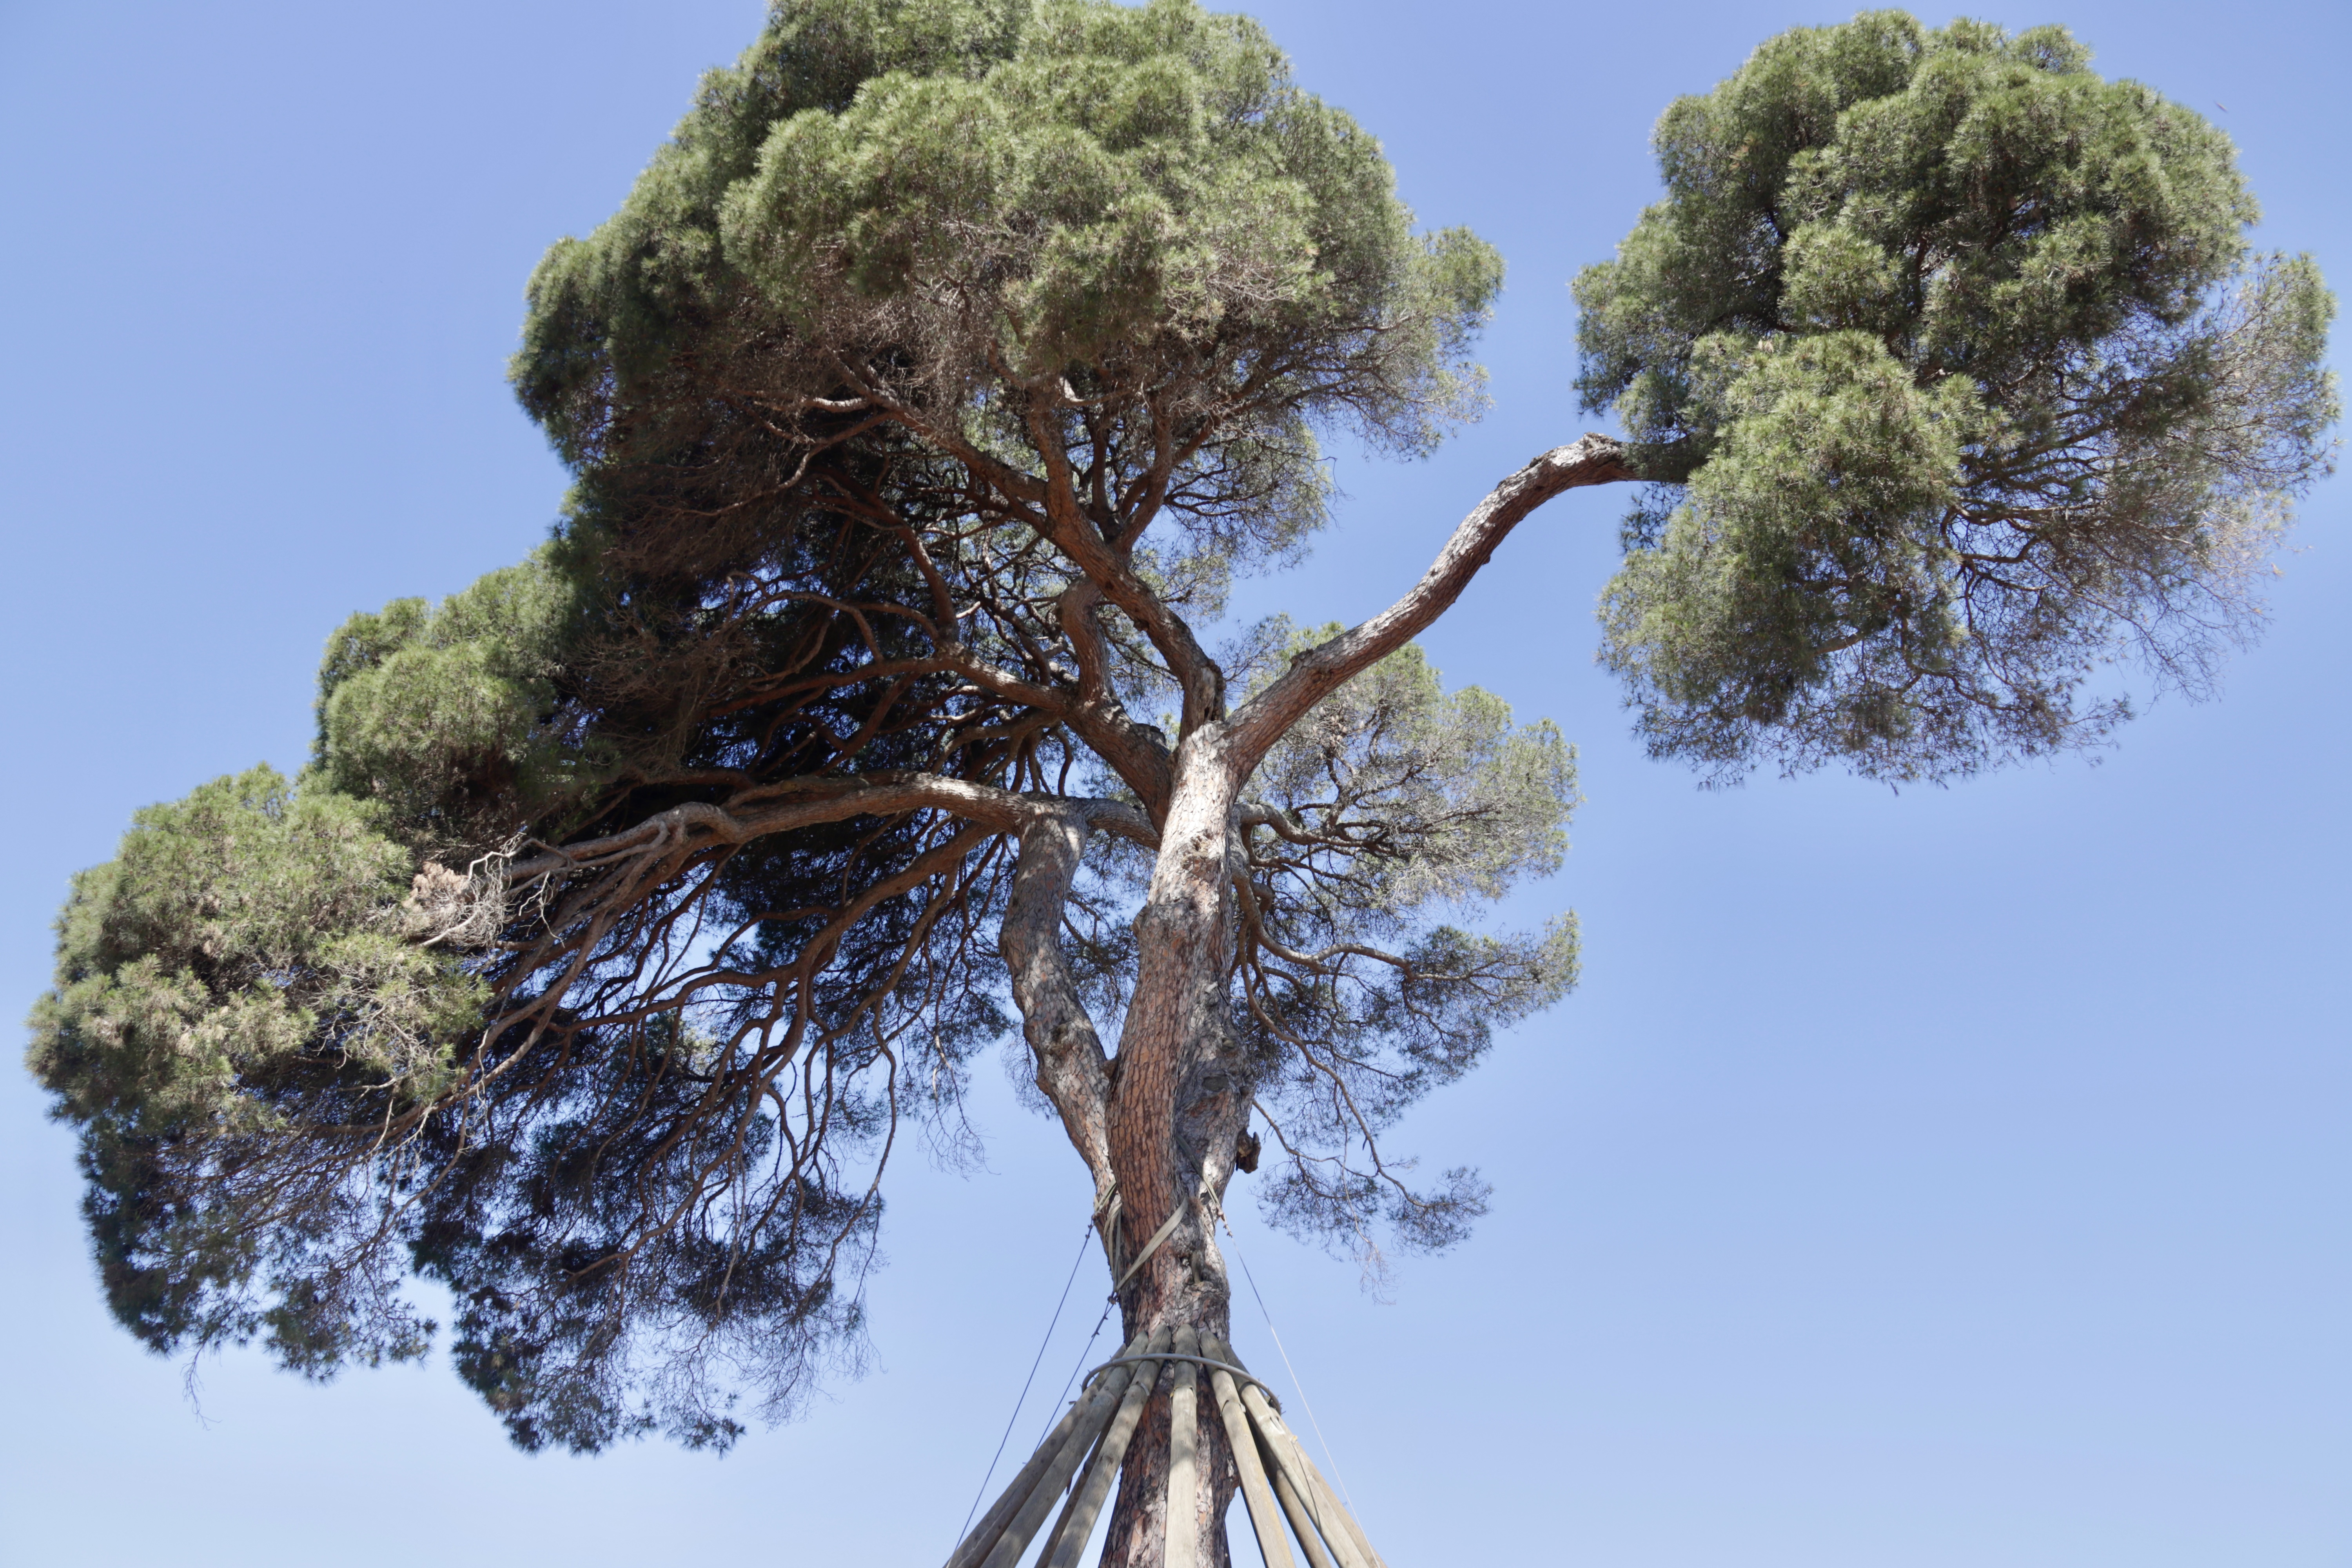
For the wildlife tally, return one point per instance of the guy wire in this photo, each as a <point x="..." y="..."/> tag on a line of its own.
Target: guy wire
<point x="1034" y="1364"/>
<point x="1083" y="1353"/>
<point x="1337" y="1474"/>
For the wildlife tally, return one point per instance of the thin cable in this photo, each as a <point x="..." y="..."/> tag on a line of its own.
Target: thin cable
<point x="1336" y="1473"/>
<point x="1034" y="1364"/>
<point x="1083" y="1356"/>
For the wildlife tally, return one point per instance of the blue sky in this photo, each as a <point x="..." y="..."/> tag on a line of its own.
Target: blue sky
<point x="1947" y="1179"/>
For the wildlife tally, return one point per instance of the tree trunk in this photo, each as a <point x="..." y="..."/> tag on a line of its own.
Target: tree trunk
<point x="1160" y="1126"/>
<point x="1180" y="1102"/>
<point x="1141" y="1523"/>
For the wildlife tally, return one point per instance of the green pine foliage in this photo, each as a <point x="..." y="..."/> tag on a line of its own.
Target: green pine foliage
<point x="1079" y="216"/>
<point x="1394" y="805"/>
<point x="1956" y="373"/>
<point x="449" y="718"/>
<point x="243" y="1003"/>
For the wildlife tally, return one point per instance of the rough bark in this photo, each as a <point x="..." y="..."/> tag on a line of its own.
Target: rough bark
<point x="1139" y="1521"/>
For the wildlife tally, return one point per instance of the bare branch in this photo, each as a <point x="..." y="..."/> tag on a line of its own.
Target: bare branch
<point x="1316" y="674"/>
<point x="697" y="826"/>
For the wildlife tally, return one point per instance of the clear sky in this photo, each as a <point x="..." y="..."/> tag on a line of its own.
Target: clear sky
<point x="1936" y="1180"/>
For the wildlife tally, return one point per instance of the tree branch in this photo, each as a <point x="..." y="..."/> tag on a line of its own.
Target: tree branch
<point x="697" y="826"/>
<point x="1316" y="673"/>
<point x="1135" y="751"/>
<point x="1071" y="1067"/>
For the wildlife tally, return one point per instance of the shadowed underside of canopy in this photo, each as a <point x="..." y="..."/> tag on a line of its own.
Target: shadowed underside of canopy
<point x="1286" y="1496"/>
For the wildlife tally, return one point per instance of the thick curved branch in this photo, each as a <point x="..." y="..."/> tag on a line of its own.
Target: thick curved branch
<point x="1071" y="1067"/>
<point x="1135" y="751"/>
<point x="1316" y="673"/>
<point x="697" y="826"/>
<point x="1077" y="537"/>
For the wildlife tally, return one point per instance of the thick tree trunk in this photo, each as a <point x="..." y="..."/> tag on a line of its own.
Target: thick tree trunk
<point x="1142" y="1524"/>
<point x="1160" y="1126"/>
<point x="1178" y="1105"/>
<point x="1159" y="1133"/>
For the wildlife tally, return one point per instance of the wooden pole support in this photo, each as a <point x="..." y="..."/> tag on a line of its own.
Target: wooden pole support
<point x="1183" y="1533"/>
<point x="1055" y="1474"/>
<point x="1331" y="1504"/>
<point x="1101" y="1470"/>
<point x="974" y="1546"/>
<point x="1053" y="1546"/>
<point x="1302" y="1523"/>
<point x="1290" y="1465"/>
<point x="1256" y="1491"/>
<point x="1329" y="1516"/>
<point x="1326" y="1497"/>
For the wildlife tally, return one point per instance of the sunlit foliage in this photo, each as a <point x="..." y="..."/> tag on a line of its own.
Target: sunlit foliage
<point x="1957" y="373"/>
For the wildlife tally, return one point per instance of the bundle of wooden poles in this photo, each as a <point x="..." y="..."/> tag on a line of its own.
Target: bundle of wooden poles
<point x="1279" y="1483"/>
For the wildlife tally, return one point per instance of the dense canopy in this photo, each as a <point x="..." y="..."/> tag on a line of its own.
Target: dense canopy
<point x="943" y="363"/>
<point x="1957" y="373"/>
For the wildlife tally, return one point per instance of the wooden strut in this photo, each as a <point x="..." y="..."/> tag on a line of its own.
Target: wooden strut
<point x="1279" y="1484"/>
<point x="1087" y="1413"/>
<point x="1087" y="1498"/>
<point x="1184" y="1516"/>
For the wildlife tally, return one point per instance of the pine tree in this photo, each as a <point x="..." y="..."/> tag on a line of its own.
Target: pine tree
<point x="924" y="400"/>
